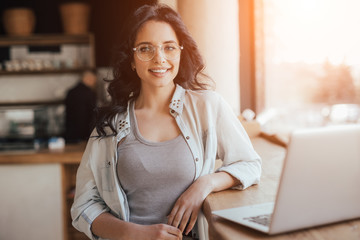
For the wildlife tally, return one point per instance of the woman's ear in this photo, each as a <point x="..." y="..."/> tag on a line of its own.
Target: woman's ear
<point x="133" y="66"/>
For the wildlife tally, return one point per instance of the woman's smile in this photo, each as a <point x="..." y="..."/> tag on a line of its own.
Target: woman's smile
<point x="159" y="72"/>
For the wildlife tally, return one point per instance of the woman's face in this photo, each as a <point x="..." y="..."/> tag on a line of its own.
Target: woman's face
<point x="158" y="71"/>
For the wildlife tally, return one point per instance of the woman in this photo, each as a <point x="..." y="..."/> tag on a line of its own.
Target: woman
<point x="150" y="163"/>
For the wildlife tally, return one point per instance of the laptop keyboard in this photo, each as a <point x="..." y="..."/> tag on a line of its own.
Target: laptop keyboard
<point x="261" y="219"/>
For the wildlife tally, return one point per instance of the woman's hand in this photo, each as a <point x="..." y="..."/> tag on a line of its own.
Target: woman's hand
<point x="158" y="232"/>
<point x="187" y="207"/>
<point x="108" y="226"/>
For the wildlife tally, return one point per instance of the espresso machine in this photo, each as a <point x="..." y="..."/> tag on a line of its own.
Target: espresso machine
<point x="30" y="127"/>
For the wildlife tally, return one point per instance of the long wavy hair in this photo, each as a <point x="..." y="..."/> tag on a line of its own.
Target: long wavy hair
<point x="126" y="84"/>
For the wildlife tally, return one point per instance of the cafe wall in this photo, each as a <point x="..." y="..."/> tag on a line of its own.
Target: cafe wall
<point x="215" y="27"/>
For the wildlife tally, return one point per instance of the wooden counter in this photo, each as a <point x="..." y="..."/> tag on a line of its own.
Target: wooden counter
<point x="44" y="178"/>
<point x="72" y="153"/>
<point x="273" y="156"/>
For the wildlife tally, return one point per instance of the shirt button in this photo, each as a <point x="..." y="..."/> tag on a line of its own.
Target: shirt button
<point x="187" y="137"/>
<point x="196" y="159"/>
<point x="172" y="111"/>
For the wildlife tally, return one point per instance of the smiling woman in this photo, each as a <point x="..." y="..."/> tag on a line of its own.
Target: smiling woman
<point x="149" y="164"/>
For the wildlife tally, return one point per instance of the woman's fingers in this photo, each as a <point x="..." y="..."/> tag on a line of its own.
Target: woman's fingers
<point x="172" y="214"/>
<point x="191" y="223"/>
<point x="175" y="232"/>
<point x="180" y="218"/>
<point x="162" y="232"/>
<point x="184" y="220"/>
<point x="175" y="216"/>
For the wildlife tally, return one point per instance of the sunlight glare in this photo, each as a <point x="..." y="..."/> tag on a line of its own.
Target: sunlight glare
<point x="313" y="31"/>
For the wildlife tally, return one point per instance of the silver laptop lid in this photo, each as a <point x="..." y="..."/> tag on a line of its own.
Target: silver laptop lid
<point x="320" y="181"/>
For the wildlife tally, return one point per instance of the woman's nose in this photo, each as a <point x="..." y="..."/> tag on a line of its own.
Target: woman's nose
<point x="159" y="55"/>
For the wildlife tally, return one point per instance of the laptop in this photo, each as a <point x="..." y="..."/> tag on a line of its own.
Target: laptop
<point x="319" y="184"/>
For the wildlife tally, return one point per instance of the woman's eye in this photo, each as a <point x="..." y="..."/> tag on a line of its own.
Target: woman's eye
<point x="145" y="49"/>
<point x="169" y="48"/>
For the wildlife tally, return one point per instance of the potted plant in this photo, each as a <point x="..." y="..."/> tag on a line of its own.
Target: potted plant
<point x="75" y="16"/>
<point x="18" y="18"/>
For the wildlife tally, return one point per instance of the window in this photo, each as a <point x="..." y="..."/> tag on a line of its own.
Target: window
<point x="308" y="60"/>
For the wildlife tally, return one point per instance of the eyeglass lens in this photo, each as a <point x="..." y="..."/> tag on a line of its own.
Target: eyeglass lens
<point x="146" y="52"/>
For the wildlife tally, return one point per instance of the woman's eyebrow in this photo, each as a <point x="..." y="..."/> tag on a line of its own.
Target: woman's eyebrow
<point x="143" y="43"/>
<point x="169" y="41"/>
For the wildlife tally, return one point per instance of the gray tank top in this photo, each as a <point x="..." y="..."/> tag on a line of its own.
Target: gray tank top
<point x="153" y="174"/>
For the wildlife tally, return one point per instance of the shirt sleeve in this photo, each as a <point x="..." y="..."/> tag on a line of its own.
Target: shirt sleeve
<point x="235" y="148"/>
<point x="88" y="203"/>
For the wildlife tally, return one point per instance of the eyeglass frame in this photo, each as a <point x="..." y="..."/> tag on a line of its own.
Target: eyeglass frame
<point x="135" y="49"/>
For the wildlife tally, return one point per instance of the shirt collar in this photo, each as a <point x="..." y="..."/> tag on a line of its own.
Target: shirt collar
<point x="177" y="101"/>
<point x="176" y="107"/>
<point x="123" y="121"/>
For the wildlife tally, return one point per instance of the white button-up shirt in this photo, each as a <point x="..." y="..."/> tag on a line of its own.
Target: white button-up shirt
<point x="212" y="132"/>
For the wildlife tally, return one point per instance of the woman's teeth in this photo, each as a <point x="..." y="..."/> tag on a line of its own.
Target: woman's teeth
<point x="158" y="70"/>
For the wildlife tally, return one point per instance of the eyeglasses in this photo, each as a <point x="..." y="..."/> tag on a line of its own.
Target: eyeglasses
<point x="146" y="52"/>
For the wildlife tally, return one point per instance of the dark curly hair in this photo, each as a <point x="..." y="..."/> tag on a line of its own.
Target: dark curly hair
<point x="126" y="84"/>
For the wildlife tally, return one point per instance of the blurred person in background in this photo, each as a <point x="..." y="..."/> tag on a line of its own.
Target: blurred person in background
<point x="80" y="103"/>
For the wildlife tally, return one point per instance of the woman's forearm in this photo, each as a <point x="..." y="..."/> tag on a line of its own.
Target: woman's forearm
<point x="216" y="182"/>
<point x="108" y="226"/>
<point x="222" y="180"/>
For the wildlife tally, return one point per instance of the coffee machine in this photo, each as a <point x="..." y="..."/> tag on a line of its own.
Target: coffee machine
<point x="30" y="127"/>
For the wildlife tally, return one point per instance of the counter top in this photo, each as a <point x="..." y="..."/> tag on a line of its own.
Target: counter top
<point x="273" y="156"/>
<point x="72" y="153"/>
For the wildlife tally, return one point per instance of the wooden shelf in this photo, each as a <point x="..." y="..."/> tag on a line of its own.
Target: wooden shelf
<point x="41" y="40"/>
<point x="22" y="104"/>
<point x="60" y="71"/>
<point x="45" y="40"/>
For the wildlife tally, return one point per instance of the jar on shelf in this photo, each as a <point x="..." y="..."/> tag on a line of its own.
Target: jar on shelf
<point x="75" y="17"/>
<point x="19" y="21"/>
